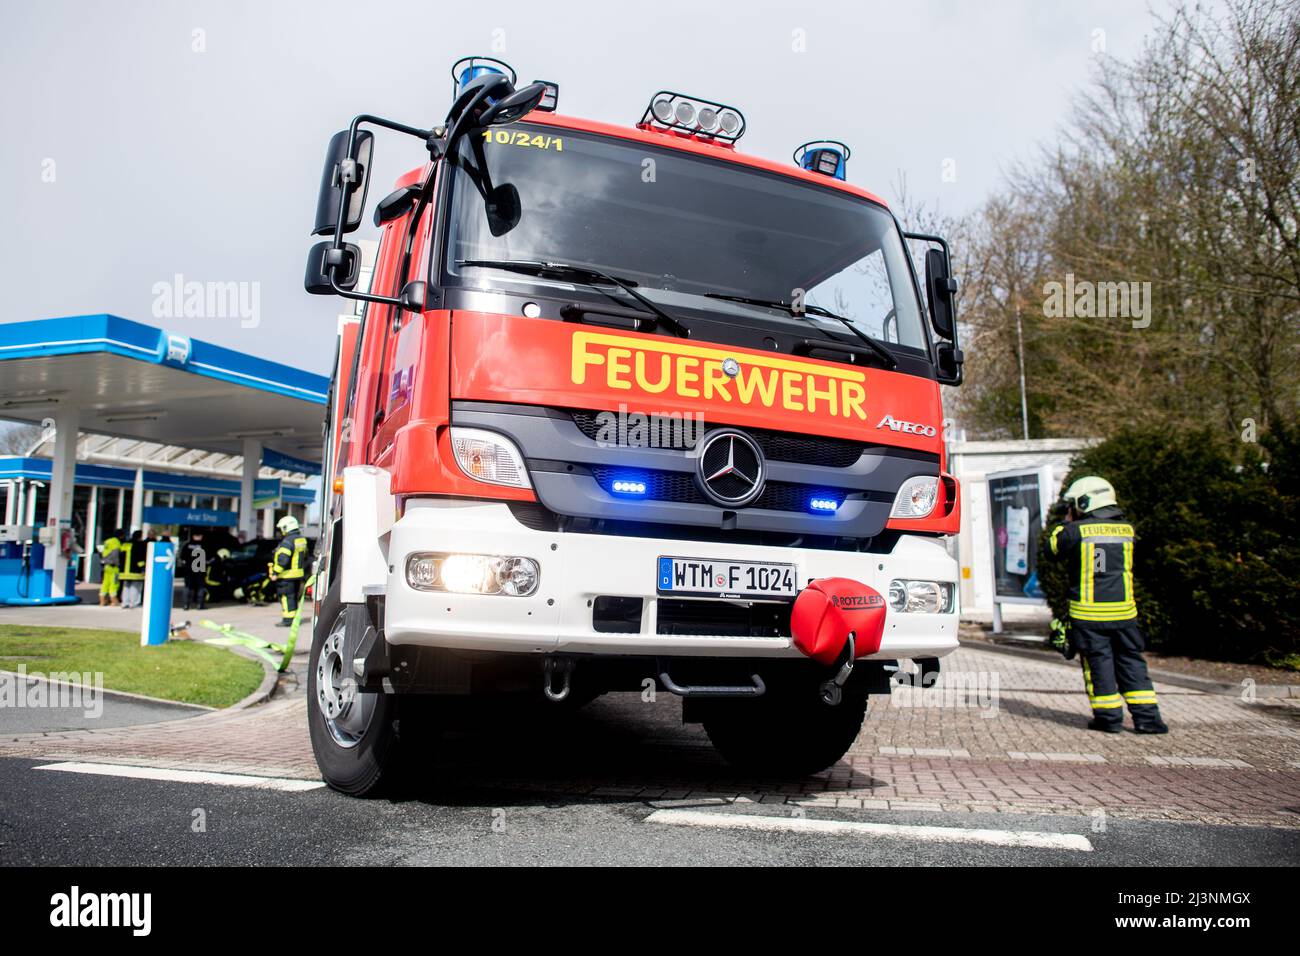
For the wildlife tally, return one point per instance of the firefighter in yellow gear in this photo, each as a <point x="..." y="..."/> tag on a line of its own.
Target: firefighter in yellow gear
<point x="215" y="576"/>
<point x="110" y="555"/>
<point x="288" y="568"/>
<point x="1097" y="545"/>
<point x="135" y="551"/>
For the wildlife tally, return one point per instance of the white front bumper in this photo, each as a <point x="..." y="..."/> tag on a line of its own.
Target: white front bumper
<point x="576" y="568"/>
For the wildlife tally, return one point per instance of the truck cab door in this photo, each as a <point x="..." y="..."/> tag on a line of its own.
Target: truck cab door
<point x="402" y="343"/>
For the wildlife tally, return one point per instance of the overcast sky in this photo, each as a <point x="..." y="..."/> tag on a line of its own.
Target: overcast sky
<point x="146" y="140"/>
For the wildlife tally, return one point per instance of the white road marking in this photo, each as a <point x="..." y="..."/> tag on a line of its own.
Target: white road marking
<point x="746" y="821"/>
<point x="186" y="776"/>
<point x="922" y="752"/>
<point x="1232" y="763"/>
<point x="1060" y="758"/>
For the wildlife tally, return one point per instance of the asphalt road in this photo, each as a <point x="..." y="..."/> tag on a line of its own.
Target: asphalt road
<point x="62" y="818"/>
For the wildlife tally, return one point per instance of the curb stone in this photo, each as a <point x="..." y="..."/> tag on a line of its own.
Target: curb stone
<point x="265" y="690"/>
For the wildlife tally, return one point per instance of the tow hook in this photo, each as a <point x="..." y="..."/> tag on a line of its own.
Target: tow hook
<point x="832" y="691"/>
<point x="564" y="665"/>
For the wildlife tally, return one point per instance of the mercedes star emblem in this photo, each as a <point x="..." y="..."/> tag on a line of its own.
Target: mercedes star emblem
<point x="730" y="468"/>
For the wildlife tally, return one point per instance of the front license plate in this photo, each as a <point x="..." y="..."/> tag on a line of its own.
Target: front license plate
<point x="727" y="579"/>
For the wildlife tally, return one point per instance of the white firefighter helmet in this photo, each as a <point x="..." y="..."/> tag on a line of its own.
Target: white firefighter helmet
<point x="286" y="524"/>
<point x="1089" y="493"/>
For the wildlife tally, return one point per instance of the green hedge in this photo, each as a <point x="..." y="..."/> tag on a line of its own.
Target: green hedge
<point x="1217" y="559"/>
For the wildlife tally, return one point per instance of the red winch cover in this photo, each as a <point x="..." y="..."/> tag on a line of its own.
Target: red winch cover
<point x="828" y="609"/>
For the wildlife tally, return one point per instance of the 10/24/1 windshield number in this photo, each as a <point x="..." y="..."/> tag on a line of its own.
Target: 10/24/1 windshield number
<point x="524" y="138"/>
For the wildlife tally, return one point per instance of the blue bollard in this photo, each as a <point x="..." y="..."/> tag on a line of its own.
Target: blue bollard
<point x="159" y="574"/>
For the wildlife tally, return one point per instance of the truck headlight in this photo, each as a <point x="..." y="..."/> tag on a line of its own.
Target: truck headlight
<point x="916" y="498"/>
<point x="488" y="457"/>
<point x="921" y="597"/>
<point x="508" y="575"/>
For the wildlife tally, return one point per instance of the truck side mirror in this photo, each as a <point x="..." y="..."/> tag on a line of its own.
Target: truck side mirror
<point x="414" y="296"/>
<point x="949" y="359"/>
<point x="503" y="208"/>
<point x="344" y="175"/>
<point x="514" y="107"/>
<point x="324" y="259"/>
<point x="940" y="290"/>
<point x="941" y="297"/>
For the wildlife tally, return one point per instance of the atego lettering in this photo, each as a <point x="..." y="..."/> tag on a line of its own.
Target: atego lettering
<point x="910" y="428"/>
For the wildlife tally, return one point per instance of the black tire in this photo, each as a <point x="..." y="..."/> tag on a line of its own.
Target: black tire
<point x="368" y="764"/>
<point x="786" y="734"/>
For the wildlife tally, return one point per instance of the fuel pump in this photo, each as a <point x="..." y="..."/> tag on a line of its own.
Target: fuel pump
<point x="16" y="542"/>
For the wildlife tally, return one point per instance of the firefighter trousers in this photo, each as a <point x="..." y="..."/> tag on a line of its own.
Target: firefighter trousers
<point x="195" y="592"/>
<point x="1115" y="673"/>
<point x="290" y="592"/>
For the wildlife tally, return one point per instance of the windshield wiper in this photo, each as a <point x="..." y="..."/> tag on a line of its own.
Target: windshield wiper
<point x="879" y="350"/>
<point x="592" y="277"/>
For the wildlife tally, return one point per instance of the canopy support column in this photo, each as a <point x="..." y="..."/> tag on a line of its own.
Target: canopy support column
<point x="59" y="512"/>
<point x="247" y="483"/>
<point x="92" y="535"/>
<point x="137" y="503"/>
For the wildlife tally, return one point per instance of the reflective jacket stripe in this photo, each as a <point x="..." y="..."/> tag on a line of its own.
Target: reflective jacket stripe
<point x="1128" y="571"/>
<point x="1103" y="610"/>
<point x="289" y="562"/>
<point x="1085" y="568"/>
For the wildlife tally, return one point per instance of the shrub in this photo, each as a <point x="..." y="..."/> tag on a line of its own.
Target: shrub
<point x="1217" y="559"/>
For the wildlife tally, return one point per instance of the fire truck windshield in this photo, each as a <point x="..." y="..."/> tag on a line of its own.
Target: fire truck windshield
<point x="690" y="232"/>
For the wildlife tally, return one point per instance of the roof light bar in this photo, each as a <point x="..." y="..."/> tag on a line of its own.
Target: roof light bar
<point x="829" y="157"/>
<point x="692" y="115"/>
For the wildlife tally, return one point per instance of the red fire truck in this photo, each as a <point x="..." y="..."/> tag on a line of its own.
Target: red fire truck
<point x="626" y="409"/>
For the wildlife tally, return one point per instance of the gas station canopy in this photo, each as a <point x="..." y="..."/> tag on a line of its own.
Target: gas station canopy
<point x="109" y="392"/>
<point x="136" y="381"/>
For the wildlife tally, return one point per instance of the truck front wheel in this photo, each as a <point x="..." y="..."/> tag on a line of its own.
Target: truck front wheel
<point x="785" y="734"/>
<point x="353" y="732"/>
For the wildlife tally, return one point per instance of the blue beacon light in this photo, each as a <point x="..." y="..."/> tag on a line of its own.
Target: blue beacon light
<point x="829" y="157"/>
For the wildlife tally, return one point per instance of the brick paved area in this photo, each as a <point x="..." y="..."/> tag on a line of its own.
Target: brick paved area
<point x="998" y="733"/>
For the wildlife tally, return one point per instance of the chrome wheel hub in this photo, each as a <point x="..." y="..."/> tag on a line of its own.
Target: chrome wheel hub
<point x="346" y="710"/>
